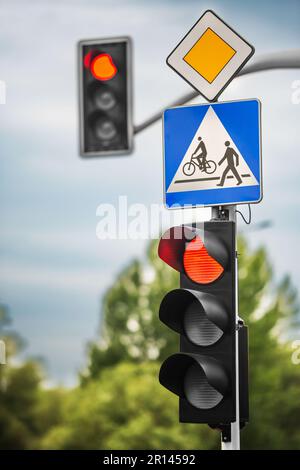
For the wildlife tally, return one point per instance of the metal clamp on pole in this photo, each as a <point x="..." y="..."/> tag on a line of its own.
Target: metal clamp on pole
<point x="226" y="433"/>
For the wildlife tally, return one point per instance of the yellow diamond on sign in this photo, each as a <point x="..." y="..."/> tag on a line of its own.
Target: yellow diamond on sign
<point x="209" y="55"/>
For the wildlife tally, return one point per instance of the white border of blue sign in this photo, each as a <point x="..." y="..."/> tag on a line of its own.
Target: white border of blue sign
<point x="189" y="206"/>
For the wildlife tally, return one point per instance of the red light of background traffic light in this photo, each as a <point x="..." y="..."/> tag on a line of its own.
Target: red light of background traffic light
<point x="102" y="66"/>
<point x="199" y="266"/>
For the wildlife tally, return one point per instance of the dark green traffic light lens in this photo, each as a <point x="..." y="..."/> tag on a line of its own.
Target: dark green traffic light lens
<point x="105" y="129"/>
<point x="198" y="391"/>
<point x="201" y="380"/>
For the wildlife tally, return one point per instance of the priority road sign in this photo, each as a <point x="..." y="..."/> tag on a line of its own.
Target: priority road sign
<point x="210" y="55"/>
<point x="212" y="154"/>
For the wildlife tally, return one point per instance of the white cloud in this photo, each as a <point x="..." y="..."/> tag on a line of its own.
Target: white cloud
<point x="82" y="280"/>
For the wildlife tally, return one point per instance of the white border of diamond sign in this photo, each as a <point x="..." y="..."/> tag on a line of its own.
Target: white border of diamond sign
<point x="243" y="52"/>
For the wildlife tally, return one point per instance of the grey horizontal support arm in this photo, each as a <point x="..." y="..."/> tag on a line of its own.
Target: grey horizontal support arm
<point x="277" y="60"/>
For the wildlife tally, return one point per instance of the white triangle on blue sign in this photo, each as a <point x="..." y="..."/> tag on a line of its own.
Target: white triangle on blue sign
<point x="221" y="160"/>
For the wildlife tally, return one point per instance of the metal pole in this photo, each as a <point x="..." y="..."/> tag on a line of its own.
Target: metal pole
<point x="277" y="60"/>
<point x="234" y="444"/>
<point x="231" y="441"/>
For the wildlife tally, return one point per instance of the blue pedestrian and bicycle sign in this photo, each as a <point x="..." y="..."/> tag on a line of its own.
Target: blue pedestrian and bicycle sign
<point x="212" y="154"/>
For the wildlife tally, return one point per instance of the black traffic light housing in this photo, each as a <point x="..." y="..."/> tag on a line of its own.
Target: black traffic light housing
<point x="105" y="96"/>
<point x="202" y="312"/>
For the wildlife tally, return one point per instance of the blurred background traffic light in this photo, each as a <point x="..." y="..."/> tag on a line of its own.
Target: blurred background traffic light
<point x="105" y="96"/>
<point x="59" y="281"/>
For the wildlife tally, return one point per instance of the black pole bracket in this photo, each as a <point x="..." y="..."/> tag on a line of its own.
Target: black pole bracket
<point x="226" y="433"/>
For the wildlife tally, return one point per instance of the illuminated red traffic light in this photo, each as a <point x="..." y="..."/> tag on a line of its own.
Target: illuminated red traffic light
<point x="199" y="265"/>
<point x="101" y="66"/>
<point x="184" y="250"/>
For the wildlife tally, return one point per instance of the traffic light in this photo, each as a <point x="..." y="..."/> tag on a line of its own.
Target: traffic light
<point x="202" y="312"/>
<point x="105" y="97"/>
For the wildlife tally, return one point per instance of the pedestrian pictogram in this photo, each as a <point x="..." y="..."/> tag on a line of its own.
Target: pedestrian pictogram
<point x="212" y="154"/>
<point x="232" y="165"/>
<point x="210" y="55"/>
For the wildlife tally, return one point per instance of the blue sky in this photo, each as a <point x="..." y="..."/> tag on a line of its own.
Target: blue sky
<point x="53" y="269"/>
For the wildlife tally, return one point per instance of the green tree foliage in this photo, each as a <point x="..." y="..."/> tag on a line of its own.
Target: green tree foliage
<point x="125" y="408"/>
<point x="132" y="332"/>
<point x="120" y="404"/>
<point x="26" y="410"/>
<point x="13" y="342"/>
<point x="131" y="329"/>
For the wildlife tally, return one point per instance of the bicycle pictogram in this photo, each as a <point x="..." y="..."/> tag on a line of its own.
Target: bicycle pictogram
<point x="199" y="160"/>
<point x="207" y="166"/>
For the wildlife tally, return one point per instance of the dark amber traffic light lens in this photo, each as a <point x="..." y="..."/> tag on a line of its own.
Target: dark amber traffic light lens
<point x="198" y="328"/>
<point x="200" y="317"/>
<point x="104" y="99"/>
<point x="199" y="265"/>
